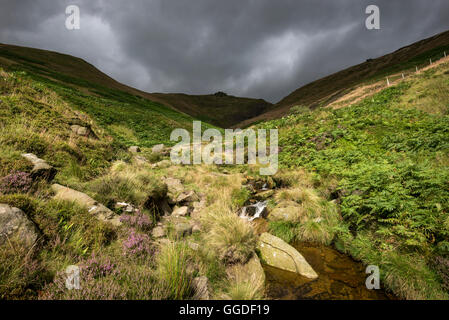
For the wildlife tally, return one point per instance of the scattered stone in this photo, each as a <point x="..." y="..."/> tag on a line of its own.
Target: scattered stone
<point x="162" y="164"/>
<point x="134" y="149"/>
<point x="158" y="232"/>
<point x="183" y="230"/>
<point x="181" y="211"/>
<point x="187" y="197"/>
<point x="201" y="286"/>
<point x="15" y="225"/>
<point x="318" y="220"/>
<point x="198" y="208"/>
<point x="264" y="195"/>
<point x="175" y="188"/>
<point x="158" y="148"/>
<point x="196" y="228"/>
<point x="140" y="160"/>
<point x="83" y="131"/>
<point x="125" y="207"/>
<point x="252" y="271"/>
<point x="82" y="199"/>
<point x="277" y="253"/>
<point x="194" y="246"/>
<point x="41" y="168"/>
<point x="291" y="214"/>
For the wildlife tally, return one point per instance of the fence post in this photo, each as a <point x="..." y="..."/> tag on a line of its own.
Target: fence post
<point x="430" y="60"/>
<point x="388" y="82"/>
<point x="416" y="69"/>
<point x="403" y="76"/>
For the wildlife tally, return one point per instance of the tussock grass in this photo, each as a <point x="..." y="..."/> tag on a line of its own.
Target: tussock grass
<point x="230" y="236"/>
<point x="240" y="287"/>
<point x="173" y="271"/>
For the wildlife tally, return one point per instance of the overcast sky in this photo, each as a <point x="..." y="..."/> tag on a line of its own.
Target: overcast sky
<point x="254" y="48"/>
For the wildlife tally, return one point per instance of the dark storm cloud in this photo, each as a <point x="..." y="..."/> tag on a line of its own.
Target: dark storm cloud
<point x="256" y="48"/>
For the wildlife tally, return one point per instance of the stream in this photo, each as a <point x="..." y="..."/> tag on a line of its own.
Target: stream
<point x="339" y="278"/>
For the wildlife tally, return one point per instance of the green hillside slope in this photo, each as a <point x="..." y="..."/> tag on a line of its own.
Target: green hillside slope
<point x="385" y="162"/>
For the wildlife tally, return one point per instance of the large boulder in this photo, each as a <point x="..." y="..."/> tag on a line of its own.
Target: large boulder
<point x="277" y="253"/>
<point x="15" y="225"/>
<point x="83" y="200"/>
<point x="41" y="168"/>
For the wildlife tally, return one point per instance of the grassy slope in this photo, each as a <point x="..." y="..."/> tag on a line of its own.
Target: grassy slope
<point x="222" y="111"/>
<point x="128" y="118"/>
<point x="326" y="90"/>
<point x="385" y="160"/>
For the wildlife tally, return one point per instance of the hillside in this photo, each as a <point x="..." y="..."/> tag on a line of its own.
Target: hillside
<point x="220" y="110"/>
<point x="326" y="90"/>
<point x="384" y="160"/>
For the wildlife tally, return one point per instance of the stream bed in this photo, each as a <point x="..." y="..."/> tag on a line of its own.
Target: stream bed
<point x="339" y="278"/>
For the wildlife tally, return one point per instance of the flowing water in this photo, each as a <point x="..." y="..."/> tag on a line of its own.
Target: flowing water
<point x="339" y="278"/>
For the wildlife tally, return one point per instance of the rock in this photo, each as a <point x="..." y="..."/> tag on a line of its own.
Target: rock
<point x="134" y="149"/>
<point x="83" y="131"/>
<point x="140" y="160"/>
<point x="183" y="230"/>
<point x="198" y="208"/>
<point x="196" y="228"/>
<point x="125" y="207"/>
<point x="187" y="197"/>
<point x="82" y="199"/>
<point x="15" y="225"/>
<point x="252" y="271"/>
<point x="194" y="246"/>
<point x="277" y="253"/>
<point x="158" y="148"/>
<point x="162" y="164"/>
<point x="158" y="232"/>
<point x="41" y="168"/>
<point x="201" y="287"/>
<point x="181" y="211"/>
<point x="264" y="195"/>
<point x="291" y="214"/>
<point x="174" y="189"/>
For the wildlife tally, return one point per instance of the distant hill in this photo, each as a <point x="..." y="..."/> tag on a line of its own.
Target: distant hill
<point x="218" y="109"/>
<point x="326" y="90"/>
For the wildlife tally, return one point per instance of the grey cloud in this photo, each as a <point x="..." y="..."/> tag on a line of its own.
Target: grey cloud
<point x="256" y="48"/>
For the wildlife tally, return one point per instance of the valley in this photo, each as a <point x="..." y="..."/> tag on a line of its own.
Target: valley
<point x="86" y="180"/>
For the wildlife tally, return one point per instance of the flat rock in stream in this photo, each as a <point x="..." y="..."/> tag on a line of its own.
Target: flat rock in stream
<point x="277" y="253"/>
<point x="83" y="200"/>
